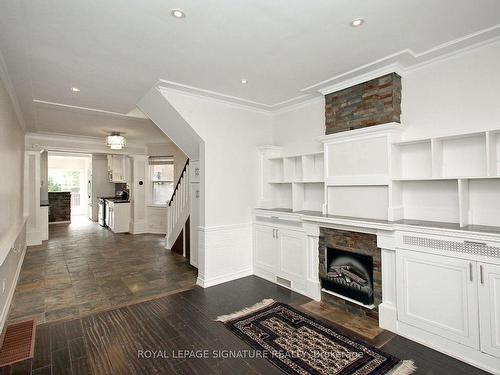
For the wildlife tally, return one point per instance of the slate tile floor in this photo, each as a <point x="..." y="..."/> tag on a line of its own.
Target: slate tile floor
<point x="85" y="268"/>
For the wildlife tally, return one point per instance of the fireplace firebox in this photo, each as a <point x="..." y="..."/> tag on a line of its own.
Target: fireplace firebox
<point x="349" y="274"/>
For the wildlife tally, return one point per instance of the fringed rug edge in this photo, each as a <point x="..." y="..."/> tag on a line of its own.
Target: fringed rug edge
<point x="245" y="311"/>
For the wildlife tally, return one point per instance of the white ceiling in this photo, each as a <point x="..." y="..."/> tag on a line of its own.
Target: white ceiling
<point x="115" y="50"/>
<point x="82" y="122"/>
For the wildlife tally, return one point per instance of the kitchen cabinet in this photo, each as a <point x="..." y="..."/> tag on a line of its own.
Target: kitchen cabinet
<point x="118" y="168"/>
<point x="438" y="294"/>
<point x="489" y="307"/>
<point x="118" y="216"/>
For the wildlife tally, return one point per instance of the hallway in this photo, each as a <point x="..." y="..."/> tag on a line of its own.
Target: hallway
<point x="85" y="268"/>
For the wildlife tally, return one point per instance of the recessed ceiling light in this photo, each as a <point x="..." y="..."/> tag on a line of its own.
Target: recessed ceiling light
<point x="75" y="89"/>
<point x="177" y="13"/>
<point x="244" y="81"/>
<point x="357" y="22"/>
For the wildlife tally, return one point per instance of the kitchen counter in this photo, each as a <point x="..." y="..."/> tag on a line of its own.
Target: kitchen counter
<point x="117" y="200"/>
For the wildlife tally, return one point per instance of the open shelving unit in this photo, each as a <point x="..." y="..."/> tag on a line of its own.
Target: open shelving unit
<point x="452" y="179"/>
<point x="358" y="172"/>
<point x="371" y="173"/>
<point x="292" y="182"/>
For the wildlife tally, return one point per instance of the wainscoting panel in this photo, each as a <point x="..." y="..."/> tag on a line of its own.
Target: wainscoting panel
<point x="227" y="253"/>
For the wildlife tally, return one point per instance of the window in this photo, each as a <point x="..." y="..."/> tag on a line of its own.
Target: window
<point x="161" y="174"/>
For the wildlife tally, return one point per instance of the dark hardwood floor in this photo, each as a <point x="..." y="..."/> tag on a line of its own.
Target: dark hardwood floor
<point x="111" y="342"/>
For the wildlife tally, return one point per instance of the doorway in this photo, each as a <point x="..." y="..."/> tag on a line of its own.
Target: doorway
<point x="71" y="174"/>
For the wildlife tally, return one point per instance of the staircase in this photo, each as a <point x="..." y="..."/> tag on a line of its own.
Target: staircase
<point x="178" y="208"/>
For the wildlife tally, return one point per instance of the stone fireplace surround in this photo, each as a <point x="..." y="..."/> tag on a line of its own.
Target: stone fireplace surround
<point x="355" y="242"/>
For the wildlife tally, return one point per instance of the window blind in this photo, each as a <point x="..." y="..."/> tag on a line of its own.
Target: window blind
<point x="161" y="160"/>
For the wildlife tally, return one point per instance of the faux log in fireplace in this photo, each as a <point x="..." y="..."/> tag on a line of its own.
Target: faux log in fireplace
<point x="349" y="274"/>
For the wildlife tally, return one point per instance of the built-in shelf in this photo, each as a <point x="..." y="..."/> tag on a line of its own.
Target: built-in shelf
<point x="451" y="179"/>
<point x="371" y="173"/>
<point x="292" y="181"/>
<point x="447" y="178"/>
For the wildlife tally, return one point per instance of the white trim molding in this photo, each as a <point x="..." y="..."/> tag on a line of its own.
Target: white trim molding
<point x="5" y="309"/>
<point x="226" y="253"/>
<point x="399" y="62"/>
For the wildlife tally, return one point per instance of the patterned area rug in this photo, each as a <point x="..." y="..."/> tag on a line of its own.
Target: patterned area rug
<point x="299" y="344"/>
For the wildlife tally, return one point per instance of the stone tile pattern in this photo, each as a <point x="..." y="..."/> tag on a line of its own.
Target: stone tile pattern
<point x="86" y="268"/>
<point x="59" y="206"/>
<point x="370" y="103"/>
<point x="355" y="242"/>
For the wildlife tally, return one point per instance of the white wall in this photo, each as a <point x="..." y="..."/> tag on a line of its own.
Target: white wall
<point x="11" y="194"/>
<point x="231" y="136"/>
<point x="228" y="155"/>
<point x="459" y="94"/>
<point x="296" y="129"/>
<point x="101" y="187"/>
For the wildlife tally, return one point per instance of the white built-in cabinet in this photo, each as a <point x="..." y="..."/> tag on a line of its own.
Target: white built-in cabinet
<point x="438" y="294"/>
<point x="489" y="308"/>
<point x="293" y="182"/>
<point x="373" y="173"/>
<point x="279" y="253"/>
<point x="457" y="299"/>
<point x="118" y="168"/>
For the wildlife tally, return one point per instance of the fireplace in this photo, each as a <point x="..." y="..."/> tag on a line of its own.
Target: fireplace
<point x="356" y="257"/>
<point x="349" y="275"/>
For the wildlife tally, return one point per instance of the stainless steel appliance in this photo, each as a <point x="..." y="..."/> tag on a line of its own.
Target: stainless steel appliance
<point x="101" y="217"/>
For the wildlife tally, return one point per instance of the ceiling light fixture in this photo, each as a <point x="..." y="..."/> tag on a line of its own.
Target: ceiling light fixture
<point x="177" y="13"/>
<point x="115" y="141"/>
<point x="75" y="89"/>
<point x="244" y="81"/>
<point x="357" y="22"/>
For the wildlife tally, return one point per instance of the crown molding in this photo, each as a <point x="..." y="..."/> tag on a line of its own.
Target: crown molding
<point x="407" y="60"/>
<point x="9" y="87"/>
<point x="74" y="108"/>
<point x="165" y="89"/>
<point x="400" y="62"/>
<point x="301" y="104"/>
<point x="80" y="144"/>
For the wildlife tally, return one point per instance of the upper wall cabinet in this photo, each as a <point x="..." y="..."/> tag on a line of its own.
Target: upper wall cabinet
<point x="118" y="168"/>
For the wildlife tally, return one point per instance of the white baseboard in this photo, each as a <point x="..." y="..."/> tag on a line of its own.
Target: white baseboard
<point x="138" y="227"/>
<point x="34" y="238"/>
<point x="5" y="310"/>
<point x="156" y="231"/>
<point x="453" y="349"/>
<point x="223" y="278"/>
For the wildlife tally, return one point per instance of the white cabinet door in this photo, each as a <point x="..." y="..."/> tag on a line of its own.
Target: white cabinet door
<point x="266" y="248"/>
<point x="489" y="307"/>
<point x="438" y="294"/>
<point x="293" y="254"/>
